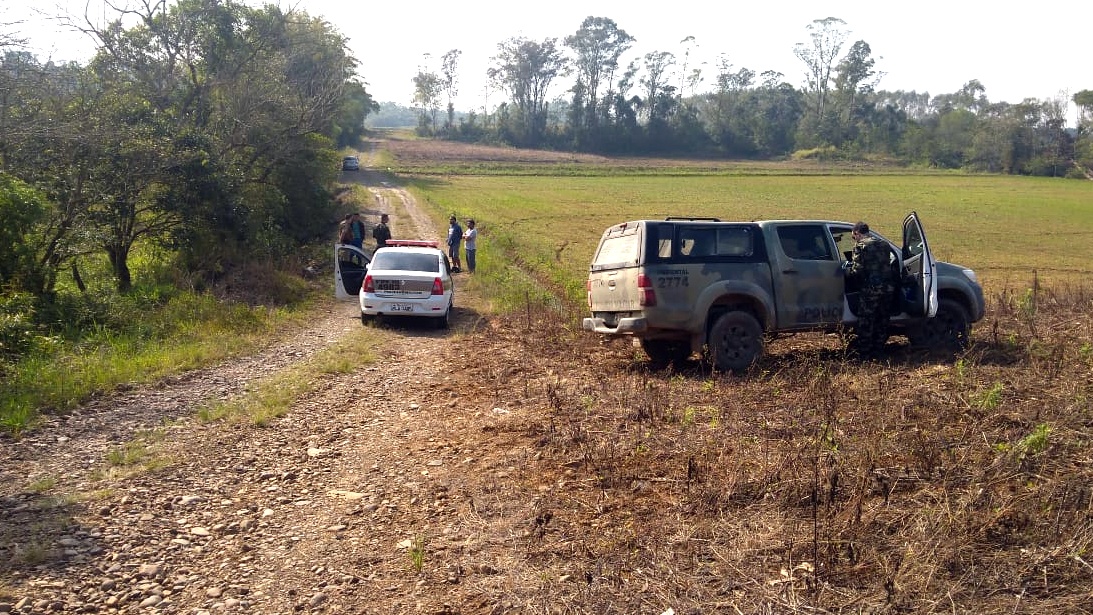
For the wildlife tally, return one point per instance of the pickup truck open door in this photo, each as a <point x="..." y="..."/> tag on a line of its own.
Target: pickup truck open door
<point x="920" y="270"/>
<point x="350" y="265"/>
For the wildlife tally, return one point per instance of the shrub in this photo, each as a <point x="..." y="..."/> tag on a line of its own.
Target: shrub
<point x="17" y="330"/>
<point x="827" y="152"/>
<point x="1076" y="172"/>
<point x="21" y="209"/>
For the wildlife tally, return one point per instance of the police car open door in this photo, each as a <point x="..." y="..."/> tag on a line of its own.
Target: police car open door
<point x="919" y="270"/>
<point x="350" y="265"/>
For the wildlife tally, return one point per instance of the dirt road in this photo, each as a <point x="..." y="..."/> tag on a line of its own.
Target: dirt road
<point x="352" y="502"/>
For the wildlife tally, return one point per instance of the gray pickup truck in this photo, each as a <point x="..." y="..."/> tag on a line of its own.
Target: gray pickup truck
<point x="685" y="285"/>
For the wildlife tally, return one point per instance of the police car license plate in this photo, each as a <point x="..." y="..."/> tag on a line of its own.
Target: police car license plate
<point x="402" y="307"/>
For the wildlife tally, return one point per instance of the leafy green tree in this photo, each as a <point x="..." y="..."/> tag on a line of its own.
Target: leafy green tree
<point x="624" y="133"/>
<point x="597" y="45"/>
<point x="725" y="115"/>
<point x="427" y="89"/>
<point x="776" y="110"/>
<point x="955" y="132"/>
<point x="449" y="83"/>
<point x="525" y="69"/>
<point x="655" y="83"/>
<point x="49" y="141"/>
<point x="127" y="179"/>
<point x="356" y="105"/>
<point x="1055" y="143"/>
<point x="971" y="97"/>
<point x="252" y="94"/>
<point x="827" y="37"/>
<point x="1083" y="145"/>
<point x="854" y="81"/>
<point x="885" y="129"/>
<point x="1084" y="101"/>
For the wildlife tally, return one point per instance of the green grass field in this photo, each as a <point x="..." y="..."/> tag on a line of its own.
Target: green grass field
<point x="1006" y="228"/>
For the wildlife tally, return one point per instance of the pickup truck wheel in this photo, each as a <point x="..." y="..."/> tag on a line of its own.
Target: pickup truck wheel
<point x="948" y="330"/>
<point x="665" y="352"/>
<point x="735" y="341"/>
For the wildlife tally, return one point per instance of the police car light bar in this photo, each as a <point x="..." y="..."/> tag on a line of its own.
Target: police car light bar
<point x="411" y="243"/>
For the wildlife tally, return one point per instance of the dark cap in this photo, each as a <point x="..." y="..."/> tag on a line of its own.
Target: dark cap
<point x="861" y="228"/>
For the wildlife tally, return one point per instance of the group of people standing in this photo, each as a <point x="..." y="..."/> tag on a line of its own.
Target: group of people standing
<point x="351" y="231"/>
<point x="469" y="239"/>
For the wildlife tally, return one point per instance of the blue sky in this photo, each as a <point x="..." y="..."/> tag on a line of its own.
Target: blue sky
<point x="929" y="46"/>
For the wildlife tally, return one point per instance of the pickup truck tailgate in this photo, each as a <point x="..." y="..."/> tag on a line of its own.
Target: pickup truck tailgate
<point x="614" y="290"/>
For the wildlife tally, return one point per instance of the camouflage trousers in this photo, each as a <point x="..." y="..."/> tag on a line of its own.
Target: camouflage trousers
<point x="871" y="331"/>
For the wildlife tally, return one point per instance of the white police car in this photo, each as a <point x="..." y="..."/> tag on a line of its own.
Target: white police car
<point x="406" y="278"/>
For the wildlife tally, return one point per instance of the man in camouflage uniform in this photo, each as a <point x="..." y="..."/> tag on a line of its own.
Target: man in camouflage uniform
<point x="870" y="266"/>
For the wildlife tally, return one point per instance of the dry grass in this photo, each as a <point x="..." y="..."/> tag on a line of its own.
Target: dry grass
<point x="813" y="484"/>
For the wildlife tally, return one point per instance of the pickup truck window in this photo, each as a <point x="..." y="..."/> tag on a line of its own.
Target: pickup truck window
<point x="701" y="242"/>
<point x="697" y="242"/>
<point x="804" y="242"/>
<point x="735" y="241"/>
<point x="618" y="250"/>
<point x="664" y="240"/>
<point x="914" y="242"/>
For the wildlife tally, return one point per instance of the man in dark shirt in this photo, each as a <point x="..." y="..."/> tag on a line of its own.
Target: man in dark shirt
<point x="870" y="267"/>
<point x="455" y="237"/>
<point x="382" y="233"/>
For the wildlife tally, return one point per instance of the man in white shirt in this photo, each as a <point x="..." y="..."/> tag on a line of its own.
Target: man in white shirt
<point x="470" y="237"/>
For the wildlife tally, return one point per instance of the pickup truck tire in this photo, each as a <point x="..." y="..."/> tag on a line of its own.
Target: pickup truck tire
<point x="735" y="341"/>
<point x="949" y="330"/>
<point x="665" y="352"/>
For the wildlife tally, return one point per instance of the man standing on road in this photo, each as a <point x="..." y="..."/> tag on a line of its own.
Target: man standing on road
<point x="870" y="266"/>
<point x="382" y="233"/>
<point x="355" y="230"/>
<point x="470" y="244"/>
<point x="455" y="236"/>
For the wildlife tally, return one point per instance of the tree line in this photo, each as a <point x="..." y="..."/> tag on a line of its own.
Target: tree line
<point x="652" y="106"/>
